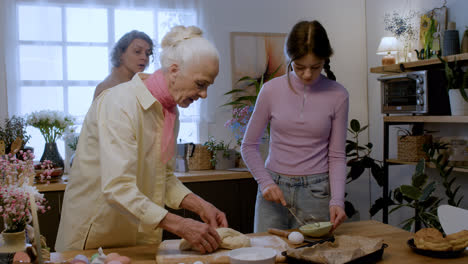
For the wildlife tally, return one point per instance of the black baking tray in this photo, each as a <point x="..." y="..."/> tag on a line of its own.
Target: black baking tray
<point x="435" y="254"/>
<point x="366" y="259"/>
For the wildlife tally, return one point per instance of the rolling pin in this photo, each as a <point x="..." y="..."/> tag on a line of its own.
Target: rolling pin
<point x="279" y="232"/>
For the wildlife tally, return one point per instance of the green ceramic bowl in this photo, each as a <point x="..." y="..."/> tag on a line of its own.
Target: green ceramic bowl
<point x="316" y="229"/>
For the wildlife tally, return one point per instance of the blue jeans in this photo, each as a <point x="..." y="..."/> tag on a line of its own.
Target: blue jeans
<point x="307" y="195"/>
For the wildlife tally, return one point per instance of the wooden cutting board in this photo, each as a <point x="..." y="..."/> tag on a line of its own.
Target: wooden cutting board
<point x="169" y="253"/>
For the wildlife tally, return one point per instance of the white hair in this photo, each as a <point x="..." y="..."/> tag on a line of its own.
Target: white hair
<point x="182" y="45"/>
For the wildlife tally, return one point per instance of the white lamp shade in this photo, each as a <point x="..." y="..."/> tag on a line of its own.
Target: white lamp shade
<point x="388" y="45"/>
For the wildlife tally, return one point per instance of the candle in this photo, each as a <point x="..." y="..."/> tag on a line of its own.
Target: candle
<point x="37" y="234"/>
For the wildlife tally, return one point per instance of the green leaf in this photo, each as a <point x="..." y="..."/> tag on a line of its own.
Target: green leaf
<point x="410" y="192"/>
<point x="379" y="204"/>
<point x="409" y="224"/>
<point x="363" y="128"/>
<point x="377" y="173"/>
<point x="369" y="145"/>
<point x="350" y="147"/>
<point x="427" y="191"/>
<point x="245" y="78"/>
<point x="355" y="126"/>
<point x="419" y="179"/>
<point x="354" y="173"/>
<point x="235" y="91"/>
<point x="420" y="167"/>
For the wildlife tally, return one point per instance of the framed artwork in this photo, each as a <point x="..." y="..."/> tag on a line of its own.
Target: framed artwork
<point x="256" y="55"/>
<point x="440" y="21"/>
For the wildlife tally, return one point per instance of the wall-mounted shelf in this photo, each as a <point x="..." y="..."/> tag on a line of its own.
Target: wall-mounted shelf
<point x="426" y="119"/>
<point x="418" y="65"/>
<point x="430" y="165"/>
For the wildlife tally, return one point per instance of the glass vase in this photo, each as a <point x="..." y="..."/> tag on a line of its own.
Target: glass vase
<point x="51" y="153"/>
<point x="13" y="242"/>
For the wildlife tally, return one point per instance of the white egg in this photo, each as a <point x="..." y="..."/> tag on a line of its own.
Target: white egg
<point x="198" y="262"/>
<point x="296" y="237"/>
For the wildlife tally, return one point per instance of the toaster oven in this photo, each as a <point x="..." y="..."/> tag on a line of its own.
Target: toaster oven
<point x="418" y="92"/>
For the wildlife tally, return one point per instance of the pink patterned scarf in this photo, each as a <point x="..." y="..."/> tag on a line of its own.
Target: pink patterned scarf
<point x="156" y="84"/>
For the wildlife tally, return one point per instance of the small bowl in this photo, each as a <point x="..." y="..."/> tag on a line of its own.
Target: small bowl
<point x="316" y="229"/>
<point x="252" y="255"/>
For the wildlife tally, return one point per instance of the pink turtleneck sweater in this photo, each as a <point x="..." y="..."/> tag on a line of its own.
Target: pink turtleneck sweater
<point x="307" y="132"/>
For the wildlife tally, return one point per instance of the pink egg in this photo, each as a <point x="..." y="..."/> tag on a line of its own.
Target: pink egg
<point x="124" y="260"/>
<point x="21" y="256"/>
<point x="78" y="261"/>
<point x="114" y="262"/>
<point x="111" y="256"/>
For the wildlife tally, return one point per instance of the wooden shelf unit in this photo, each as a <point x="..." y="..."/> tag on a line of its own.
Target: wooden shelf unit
<point x="430" y="165"/>
<point x="426" y="119"/>
<point x="418" y="65"/>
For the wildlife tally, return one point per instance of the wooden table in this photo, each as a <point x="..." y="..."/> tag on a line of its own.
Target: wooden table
<point x="396" y="238"/>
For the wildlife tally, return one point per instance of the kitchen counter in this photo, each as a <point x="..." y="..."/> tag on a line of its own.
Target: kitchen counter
<point x="191" y="176"/>
<point x="396" y="238"/>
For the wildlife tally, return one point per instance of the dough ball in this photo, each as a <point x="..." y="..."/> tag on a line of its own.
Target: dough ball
<point x="230" y="239"/>
<point x="296" y="237"/>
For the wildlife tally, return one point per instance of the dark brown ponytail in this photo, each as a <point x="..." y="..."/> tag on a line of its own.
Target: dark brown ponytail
<point x="326" y="67"/>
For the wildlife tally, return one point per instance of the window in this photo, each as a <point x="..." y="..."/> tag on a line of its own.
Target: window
<point x="63" y="53"/>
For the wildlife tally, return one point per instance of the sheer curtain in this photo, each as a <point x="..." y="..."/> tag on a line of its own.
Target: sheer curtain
<point x="55" y="52"/>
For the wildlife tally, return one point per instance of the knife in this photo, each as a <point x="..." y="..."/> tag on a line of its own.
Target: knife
<point x="284" y="233"/>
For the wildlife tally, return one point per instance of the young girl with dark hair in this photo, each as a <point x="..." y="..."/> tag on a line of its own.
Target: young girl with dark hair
<point x="305" y="170"/>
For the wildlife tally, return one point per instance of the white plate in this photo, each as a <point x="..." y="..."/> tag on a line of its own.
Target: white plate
<point x="453" y="219"/>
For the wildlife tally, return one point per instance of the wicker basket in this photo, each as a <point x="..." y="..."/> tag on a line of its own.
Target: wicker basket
<point x="200" y="159"/>
<point x="410" y="148"/>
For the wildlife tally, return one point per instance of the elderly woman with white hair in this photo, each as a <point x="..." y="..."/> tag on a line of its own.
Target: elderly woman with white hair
<point x="122" y="175"/>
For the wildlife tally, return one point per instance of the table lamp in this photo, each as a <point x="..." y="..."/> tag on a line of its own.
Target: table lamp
<point x="388" y="46"/>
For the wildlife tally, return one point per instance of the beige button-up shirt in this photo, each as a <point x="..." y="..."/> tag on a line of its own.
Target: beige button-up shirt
<point x="118" y="185"/>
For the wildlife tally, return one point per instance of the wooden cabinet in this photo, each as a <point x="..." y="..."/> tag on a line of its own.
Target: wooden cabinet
<point x="232" y="192"/>
<point x="236" y="198"/>
<point x="49" y="221"/>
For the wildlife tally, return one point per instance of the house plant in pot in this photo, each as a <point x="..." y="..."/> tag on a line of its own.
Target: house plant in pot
<point x="11" y="129"/>
<point x="52" y="125"/>
<point x="221" y="156"/>
<point x="457" y="87"/>
<point x="16" y="179"/>
<point x="359" y="161"/>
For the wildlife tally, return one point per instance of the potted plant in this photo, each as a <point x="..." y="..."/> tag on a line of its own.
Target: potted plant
<point x="441" y="162"/>
<point x="12" y="128"/>
<point x="360" y="161"/>
<point x="456" y="80"/>
<point x="52" y="125"/>
<point x="221" y="156"/>
<point x="243" y="101"/>
<point x="418" y="196"/>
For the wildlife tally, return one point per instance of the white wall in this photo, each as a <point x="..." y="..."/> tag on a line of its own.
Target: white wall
<point x="346" y="32"/>
<point x="375" y="11"/>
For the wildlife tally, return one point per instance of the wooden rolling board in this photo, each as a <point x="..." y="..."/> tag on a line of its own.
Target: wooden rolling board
<point x="169" y="253"/>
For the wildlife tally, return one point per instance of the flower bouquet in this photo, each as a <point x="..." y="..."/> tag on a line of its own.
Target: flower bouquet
<point x="52" y="125"/>
<point x="16" y="178"/>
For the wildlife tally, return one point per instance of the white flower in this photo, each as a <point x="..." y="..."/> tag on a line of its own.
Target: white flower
<point x="52" y="124"/>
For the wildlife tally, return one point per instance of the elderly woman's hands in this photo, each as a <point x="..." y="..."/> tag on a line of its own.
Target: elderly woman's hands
<point x="201" y="236"/>
<point x="213" y="216"/>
